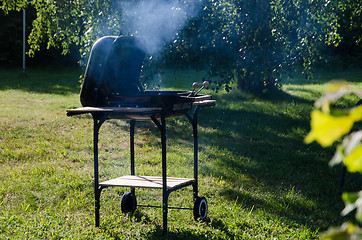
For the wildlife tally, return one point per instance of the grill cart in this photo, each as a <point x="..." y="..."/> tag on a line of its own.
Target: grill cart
<point x="111" y="90"/>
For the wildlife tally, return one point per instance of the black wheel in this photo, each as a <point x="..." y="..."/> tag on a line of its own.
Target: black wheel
<point x="200" y="208"/>
<point x="129" y="202"/>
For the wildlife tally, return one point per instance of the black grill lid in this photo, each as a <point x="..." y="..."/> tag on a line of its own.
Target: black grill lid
<point x="113" y="68"/>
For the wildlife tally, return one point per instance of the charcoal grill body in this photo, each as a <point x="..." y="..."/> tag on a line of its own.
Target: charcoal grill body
<point x="113" y="68"/>
<point x="111" y="90"/>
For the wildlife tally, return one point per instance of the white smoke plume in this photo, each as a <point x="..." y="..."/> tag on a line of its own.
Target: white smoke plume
<point x="158" y="21"/>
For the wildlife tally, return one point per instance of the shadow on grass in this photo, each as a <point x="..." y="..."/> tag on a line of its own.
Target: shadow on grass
<point x="49" y="80"/>
<point x="187" y="234"/>
<point x="257" y="147"/>
<point x="263" y="152"/>
<point x="326" y="75"/>
<point x="175" y="233"/>
<point x="192" y="234"/>
<point x="261" y="142"/>
<point x="264" y="143"/>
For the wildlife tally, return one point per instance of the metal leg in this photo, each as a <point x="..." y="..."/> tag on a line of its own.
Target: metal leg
<point x="97" y="189"/>
<point x="132" y="130"/>
<point x="193" y="121"/>
<point x="97" y="204"/>
<point x="196" y="152"/>
<point x="165" y="192"/>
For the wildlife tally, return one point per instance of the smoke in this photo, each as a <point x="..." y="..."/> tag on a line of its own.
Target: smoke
<point x="158" y="22"/>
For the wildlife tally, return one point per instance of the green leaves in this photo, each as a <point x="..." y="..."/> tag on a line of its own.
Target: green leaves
<point x="326" y="129"/>
<point x="347" y="231"/>
<point x="349" y="152"/>
<point x="10" y="5"/>
<point x="328" y="126"/>
<point x="353" y="201"/>
<point x="353" y="161"/>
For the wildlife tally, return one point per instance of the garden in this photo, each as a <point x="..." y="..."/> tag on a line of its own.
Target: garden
<point x="259" y="177"/>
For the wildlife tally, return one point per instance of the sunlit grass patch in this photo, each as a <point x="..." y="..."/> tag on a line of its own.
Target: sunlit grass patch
<point x="260" y="180"/>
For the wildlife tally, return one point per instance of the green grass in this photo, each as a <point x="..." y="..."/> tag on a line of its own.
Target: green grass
<point x="261" y="181"/>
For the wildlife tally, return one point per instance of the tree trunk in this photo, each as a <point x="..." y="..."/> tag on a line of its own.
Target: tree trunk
<point x="254" y="67"/>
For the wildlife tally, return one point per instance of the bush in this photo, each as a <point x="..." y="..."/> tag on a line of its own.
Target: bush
<point x="328" y="125"/>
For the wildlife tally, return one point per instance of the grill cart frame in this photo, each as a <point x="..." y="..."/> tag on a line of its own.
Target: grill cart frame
<point x="167" y="184"/>
<point x="111" y="90"/>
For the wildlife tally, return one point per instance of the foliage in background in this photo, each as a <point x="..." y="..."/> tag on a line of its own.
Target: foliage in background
<point x="329" y="124"/>
<point x="349" y="28"/>
<point x="10" y="44"/>
<point x="253" y="42"/>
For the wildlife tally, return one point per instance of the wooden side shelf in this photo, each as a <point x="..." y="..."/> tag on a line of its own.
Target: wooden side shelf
<point x="124" y="110"/>
<point x="205" y="103"/>
<point x="146" y="182"/>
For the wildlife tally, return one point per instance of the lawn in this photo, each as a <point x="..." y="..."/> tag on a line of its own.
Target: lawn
<point x="260" y="180"/>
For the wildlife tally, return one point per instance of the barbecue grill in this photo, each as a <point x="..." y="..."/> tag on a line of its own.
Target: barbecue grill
<point x="111" y="90"/>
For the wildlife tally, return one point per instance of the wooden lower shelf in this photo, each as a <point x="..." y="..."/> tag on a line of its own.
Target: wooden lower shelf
<point x="146" y="182"/>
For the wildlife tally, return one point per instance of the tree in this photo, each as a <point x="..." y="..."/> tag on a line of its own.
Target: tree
<point x="253" y="42"/>
<point x="62" y="23"/>
<point x="349" y="13"/>
<point x="256" y="41"/>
